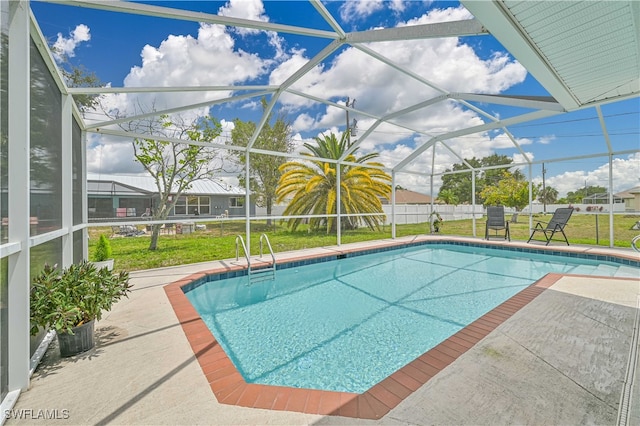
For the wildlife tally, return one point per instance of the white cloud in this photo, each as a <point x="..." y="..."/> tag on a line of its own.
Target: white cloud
<point x="212" y="58"/>
<point x="252" y="10"/>
<point x="303" y="121"/>
<point x="209" y="59"/>
<point x="107" y="154"/>
<point x="360" y="9"/>
<point x="626" y="172"/>
<point x="379" y="89"/>
<point x="547" y="139"/>
<point x="64" y="47"/>
<point x="520" y="159"/>
<point x="244" y="9"/>
<point x="284" y="70"/>
<point x="397" y="5"/>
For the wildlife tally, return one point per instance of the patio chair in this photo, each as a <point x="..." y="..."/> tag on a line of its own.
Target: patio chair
<point x="557" y="223"/>
<point x="496" y="222"/>
<point x="167" y="228"/>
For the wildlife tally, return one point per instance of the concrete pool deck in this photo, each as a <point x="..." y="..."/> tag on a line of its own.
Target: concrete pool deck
<point x="561" y="359"/>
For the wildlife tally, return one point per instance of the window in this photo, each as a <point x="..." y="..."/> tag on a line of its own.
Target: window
<point x="192" y="205"/>
<point x="46" y="147"/>
<point x="236" y="202"/>
<point x="189" y="205"/>
<point x="181" y="206"/>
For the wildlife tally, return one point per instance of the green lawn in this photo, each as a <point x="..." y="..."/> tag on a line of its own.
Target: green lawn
<point x="218" y="240"/>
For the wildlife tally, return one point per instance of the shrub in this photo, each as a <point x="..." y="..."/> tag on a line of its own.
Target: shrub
<point x="76" y="295"/>
<point x="103" y="249"/>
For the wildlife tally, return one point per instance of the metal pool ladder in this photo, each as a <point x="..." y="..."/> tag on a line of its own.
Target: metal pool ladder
<point x="258" y="274"/>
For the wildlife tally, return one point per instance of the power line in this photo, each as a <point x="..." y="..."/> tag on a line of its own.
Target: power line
<point x="582" y="135"/>
<point x="574" y="120"/>
<point x="530" y="137"/>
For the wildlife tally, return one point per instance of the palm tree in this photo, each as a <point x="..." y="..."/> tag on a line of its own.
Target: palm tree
<point x="311" y="186"/>
<point x="549" y="195"/>
<point x="447" y="196"/>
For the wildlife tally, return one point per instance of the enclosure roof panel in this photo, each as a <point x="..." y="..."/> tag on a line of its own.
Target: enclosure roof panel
<point x="582" y="52"/>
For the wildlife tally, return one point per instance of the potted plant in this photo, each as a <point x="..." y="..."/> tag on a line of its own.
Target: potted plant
<point x="71" y="300"/>
<point x="436" y="221"/>
<point x="102" y="255"/>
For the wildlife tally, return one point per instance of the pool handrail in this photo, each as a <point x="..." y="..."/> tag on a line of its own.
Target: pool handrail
<point x="635" y="243"/>
<point x="244" y="248"/>
<point x="273" y="258"/>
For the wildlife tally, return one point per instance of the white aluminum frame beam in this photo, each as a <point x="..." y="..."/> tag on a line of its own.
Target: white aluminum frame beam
<point x="133" y="135"/>
<point x="41" y="43"/>
<point x="19" y="133"/>
<point x="537" y="102"/>
<point x="174" y="110"/>
<point x="415" y="76"/>
<point x="468" y="27"/>
<point x="186" y="15"/>
<point x="477" y="129"/>
<point x="328" y="17"/>
<point x="164" y="89"/>
<point x="67" y="180"/>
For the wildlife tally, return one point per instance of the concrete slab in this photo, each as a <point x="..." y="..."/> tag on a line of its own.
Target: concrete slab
<point x="559" y="360"/>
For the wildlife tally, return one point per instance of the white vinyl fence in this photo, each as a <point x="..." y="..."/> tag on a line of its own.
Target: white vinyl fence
<point x="419" y="213"/>
<point x="410" y="213"/>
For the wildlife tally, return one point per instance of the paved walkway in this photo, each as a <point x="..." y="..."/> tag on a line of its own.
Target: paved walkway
<point x="562" y="359"/>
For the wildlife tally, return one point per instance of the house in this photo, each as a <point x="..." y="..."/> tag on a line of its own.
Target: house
<point x="631" y="199"/>
<point x="126" y="196"/>
<point x="601" y="198"/>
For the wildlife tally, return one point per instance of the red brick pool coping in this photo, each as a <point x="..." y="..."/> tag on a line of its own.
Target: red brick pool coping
<point x="229" y="386"/>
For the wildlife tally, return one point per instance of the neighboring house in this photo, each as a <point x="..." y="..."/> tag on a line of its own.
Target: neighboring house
<point x="601" y="198"/>
<point x="405" y="196"/>
<point x="122" y="196"/>
<point x="631" y="199"/>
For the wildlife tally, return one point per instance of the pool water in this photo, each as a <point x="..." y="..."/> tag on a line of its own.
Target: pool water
<point x="345" y="325"/>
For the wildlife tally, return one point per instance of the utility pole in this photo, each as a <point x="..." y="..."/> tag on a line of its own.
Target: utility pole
<point x="350" y="104"/>
<point x="586" y="190"/>
<point x="544" y="192"/>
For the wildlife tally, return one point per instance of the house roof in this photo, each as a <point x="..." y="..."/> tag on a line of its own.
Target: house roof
<point x="405" y="196"/>
<point x="140" y="184"/>
<point x="629" y="193"/>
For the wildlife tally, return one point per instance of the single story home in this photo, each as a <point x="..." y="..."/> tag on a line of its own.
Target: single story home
<point x="126" y="196"/>
<point x="631" y="199"/>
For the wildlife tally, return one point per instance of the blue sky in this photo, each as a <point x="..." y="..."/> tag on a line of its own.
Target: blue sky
<point x="133" y="50"/>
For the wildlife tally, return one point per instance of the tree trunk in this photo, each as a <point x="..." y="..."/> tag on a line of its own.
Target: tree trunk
<point x="269" y="209"/>
<point x="155" y="232"/>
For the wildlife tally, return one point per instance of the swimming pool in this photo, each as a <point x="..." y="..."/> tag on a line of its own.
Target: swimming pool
<point x="345" y="325"/>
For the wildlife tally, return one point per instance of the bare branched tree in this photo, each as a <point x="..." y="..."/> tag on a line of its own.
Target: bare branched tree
<point x="175" y="166"/>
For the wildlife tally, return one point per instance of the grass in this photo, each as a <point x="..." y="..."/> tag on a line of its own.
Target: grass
<point x="218" y="240"/>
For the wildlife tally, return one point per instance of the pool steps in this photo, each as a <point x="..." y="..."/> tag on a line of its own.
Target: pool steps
<point x="257" y="275"/>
